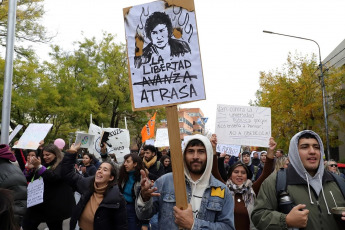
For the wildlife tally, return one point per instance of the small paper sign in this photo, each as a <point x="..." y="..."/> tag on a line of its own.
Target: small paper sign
<point x="232" y="150"/>
<point x="85" y="139"/>
<point x="35" y="192"/>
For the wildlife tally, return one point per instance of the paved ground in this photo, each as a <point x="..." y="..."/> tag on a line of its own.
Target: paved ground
<point x="43" y="226"/>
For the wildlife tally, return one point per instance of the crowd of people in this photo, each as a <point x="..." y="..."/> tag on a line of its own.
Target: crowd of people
<point x="253" y="190"/>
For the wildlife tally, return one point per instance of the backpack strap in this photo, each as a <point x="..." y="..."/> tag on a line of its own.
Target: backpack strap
<point x="281" y="181"/>
<point x="340" y="182"/>
<point x="158" y="165"/>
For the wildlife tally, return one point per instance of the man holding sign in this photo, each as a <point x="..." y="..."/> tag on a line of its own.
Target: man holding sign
<point x="210" y="202"/>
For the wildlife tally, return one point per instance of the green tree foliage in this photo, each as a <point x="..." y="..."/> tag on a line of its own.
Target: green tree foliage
<point x="28" y="26"/>
<point x="295" y="98"/>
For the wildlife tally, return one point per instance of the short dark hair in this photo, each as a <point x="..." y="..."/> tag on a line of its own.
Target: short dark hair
<point x="151" y="148"/>
<point x="280" y="150"/>
<point x="155" y="19"/>
<point x="195" y="142"/>
<point x="307" y="136"/>
<point x="237" y="164"/>
<point x="246" y="153"/>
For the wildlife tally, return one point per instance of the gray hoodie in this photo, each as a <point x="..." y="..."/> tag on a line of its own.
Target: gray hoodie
<point x="314" y="181"/>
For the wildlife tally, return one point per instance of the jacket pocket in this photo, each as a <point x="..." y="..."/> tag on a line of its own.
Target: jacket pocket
<point x="168" y="203"/>
<point x="212" y="208"/>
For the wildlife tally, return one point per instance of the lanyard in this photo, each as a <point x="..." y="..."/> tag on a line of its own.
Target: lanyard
<point x="32" y="179"/>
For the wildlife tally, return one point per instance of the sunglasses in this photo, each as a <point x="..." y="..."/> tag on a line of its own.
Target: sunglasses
<point x="333" y="165"/>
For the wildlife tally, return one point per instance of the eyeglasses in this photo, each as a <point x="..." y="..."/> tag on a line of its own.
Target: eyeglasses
<point x="333" y="165"/>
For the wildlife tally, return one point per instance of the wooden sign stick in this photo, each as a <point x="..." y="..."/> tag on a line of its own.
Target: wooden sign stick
<point x="176" y="157"/>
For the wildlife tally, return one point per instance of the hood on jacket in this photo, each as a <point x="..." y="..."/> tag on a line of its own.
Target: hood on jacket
<point x="5" y="153"/>
<point x="209" y="151"/>
<point x="250" y="159"/>
<point x="295" y="160"/>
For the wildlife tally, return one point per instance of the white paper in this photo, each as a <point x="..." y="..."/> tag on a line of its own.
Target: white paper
<point x="32" y="136"/>
<point x="85" y="139"/>
<point x="162" y="74"/>
<point x="14" y="132"/>
<point x="162" y="138"/>
<point x="150" y="142"/>
<point x="35" y="192"/>
<point x="232" y="150"/>
<point x="243" y="125"/>
<point x="118" y="141"/>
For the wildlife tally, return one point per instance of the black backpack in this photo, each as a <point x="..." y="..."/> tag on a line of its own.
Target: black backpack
<point x="285" y="202"/>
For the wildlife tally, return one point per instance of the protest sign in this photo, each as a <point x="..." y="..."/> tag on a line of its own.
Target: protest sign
<point x="150" y="142"/>
<point x="232" y="150"/>
<point x="14" y="132"/>
<point x="162" y="138"/>
<point x="32" y="136"/>
<point x="85" y="139"/>
<point x="117" y="141"/>
<point x="163" y="54"/>
<point x="243" y="125"/>
<point x="35" y="192"/>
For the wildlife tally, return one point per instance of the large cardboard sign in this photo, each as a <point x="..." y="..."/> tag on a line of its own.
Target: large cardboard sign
<point x="162" y="138"/>
<point x="117" y="141"/>
<point x="163" y="54"/>
<point x="243" y="125"/>
<point x="32" y="136"/>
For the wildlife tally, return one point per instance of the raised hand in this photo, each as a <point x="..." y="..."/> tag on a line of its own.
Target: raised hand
<point x="271" y="147"/>
<point x="74" y="148"/>
<point x="213" y="141"/>
<point x="147" y="189"/>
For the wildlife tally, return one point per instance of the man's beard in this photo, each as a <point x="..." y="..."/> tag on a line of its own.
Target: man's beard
<point x="196" y="171"/>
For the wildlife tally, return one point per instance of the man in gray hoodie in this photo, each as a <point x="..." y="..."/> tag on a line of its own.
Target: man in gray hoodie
<point x="210" y="203"/>
<point x="313" y="191"/>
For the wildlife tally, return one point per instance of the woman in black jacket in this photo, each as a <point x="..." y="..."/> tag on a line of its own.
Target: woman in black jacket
<point x="58" y="199"/>
<point x="101" y="206"/>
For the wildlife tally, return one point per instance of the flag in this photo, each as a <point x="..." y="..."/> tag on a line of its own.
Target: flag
<point x="148" y="130"/>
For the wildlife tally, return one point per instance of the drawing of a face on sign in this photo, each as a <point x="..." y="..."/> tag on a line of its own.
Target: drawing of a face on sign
<point x="163" y="53"/>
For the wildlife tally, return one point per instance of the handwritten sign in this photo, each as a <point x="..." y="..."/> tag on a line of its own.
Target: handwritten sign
<point x="163" y="54"/>
<point x="35" y="192"/>
<point x="162" y="138"/>
<point x="85" y="139"/>
<point x="243" y="125"/>
<point x="117" y="141"/>
<point x="32" y="136"/>
<point x="232" y="150"/>
<point x="150" y="142"/>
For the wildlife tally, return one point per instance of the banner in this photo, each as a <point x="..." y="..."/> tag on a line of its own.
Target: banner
<point x="243" y="125"/>
<point x="32" y="136"/>
<point x="148" y="131"/>
<point x="162" y="138"/>
<point x="163" y="54"/>
<point x="118" y="141"/>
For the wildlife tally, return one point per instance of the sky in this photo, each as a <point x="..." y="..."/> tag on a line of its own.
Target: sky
<point x="232" y="45"/>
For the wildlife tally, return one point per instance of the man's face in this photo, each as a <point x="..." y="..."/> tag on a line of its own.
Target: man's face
<point x="226" y="159"/>
<point x="148" y="155"/>
<point x="196" y="159"/>
<point x="263" y="157"/>
<point x="279" y="154"/>
<point x="309" y="152"/>
<point x="160" y="36"/>
<point x="256" y="155"/>
<point x="246" y="158"/>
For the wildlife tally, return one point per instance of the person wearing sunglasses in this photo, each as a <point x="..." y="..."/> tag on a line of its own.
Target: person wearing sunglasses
<point x="332" y="167"/>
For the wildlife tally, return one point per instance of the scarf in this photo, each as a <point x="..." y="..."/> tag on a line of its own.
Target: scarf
<point x="87" y="217"/>
<point x="150" y="163"/>
<point x="248" y="194"/>
<point x="5" y="153"/>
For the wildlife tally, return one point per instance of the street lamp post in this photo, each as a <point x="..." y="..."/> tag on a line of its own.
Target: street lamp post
<point x="324" y="101"/>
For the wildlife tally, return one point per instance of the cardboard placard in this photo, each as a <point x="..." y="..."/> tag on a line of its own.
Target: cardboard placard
<point x="85" y="139"/>
<point x="163" y="54"/>
<point x="243" y="125"/>
<point x="162" y="138"/>
<point x="32" y="136"/>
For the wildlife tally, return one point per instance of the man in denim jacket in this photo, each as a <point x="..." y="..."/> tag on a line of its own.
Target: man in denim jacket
<point x="210" y="202"/>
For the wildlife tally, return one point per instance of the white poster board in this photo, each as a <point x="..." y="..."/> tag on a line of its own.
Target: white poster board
<point x="162" y="138"/>
<point x="85" y="139"/>
<point x="232" y="150"/>
<point x="35" y="192"/>
<point x="243" y="125"/>
<point x="118" y="141"/>
<point x="163" y="53"/>
<point x="32" y="136"/>
<point x="150" y="142"/>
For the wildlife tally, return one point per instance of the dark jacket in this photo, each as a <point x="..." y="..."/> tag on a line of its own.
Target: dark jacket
<point x="111" y="213"/>
<point x="156" y="171"/>
<point x="90" y="170"/>
<point x="13" y="179"/>
<point x="58" y="198"/>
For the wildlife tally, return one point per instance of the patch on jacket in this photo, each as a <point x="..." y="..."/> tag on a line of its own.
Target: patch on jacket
<point x="218" y="192"/>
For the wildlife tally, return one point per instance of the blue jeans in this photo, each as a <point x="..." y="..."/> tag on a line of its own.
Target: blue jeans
<point x="133" y="222"/>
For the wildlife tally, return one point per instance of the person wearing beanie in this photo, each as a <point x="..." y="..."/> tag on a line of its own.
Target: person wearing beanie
<point x="12" y="178"/>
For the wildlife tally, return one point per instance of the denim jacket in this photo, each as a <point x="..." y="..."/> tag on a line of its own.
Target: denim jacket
<point x="216" y="209"/>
